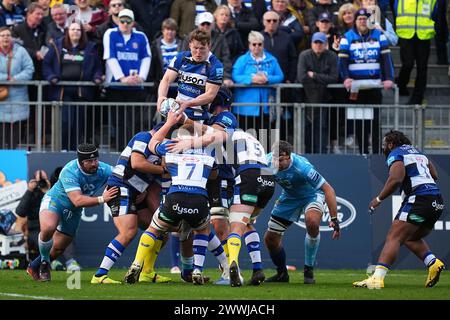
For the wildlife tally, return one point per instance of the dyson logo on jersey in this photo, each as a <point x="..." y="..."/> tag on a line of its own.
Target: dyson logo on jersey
<point x="437" y="206"/>
<point x="191" y="79"/>
<point x="182" y="210"/>
<point x="265" y="183"/>
<point x="346" y="215"/>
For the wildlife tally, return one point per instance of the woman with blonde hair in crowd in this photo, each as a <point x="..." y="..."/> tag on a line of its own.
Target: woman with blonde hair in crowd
<point x="346" y="21"/>
<point x="15" y="65"/>
<point x="222" y="16"/>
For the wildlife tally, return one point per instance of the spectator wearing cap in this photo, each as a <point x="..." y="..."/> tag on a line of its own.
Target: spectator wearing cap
<point x="365" y="63"/>
<point x="243" y="19"/>
<point x="223" y="25"/>
<point x="150" y="15"/>
<point x="324" y="25"/>
<point x="11" y="13"/>
<point x="185" y="12"/>
<point x="321" y="6"/>
<point x="115" y="6"/>
<point x="317" y="68"/>
<point x="219" y="46"/>
<point x="379" y="21"/>
<point x="414" y="22"/>
<point x="128" y="58"/>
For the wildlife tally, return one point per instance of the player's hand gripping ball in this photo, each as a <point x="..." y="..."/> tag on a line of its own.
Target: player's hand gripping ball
<point x="169" y="105"/>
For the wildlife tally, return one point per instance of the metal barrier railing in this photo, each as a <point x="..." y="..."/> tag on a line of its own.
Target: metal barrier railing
<point x="312" y="128"/>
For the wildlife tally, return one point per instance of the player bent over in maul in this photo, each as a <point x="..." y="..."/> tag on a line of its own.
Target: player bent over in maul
<point x="62" y="206"/>
<point x="253" y="189"/>
<point x="134" y="175"/>
<point x="187" y="199"/>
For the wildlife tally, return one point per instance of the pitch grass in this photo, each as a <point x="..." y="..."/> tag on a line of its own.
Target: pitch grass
<point x="330" y="284"/>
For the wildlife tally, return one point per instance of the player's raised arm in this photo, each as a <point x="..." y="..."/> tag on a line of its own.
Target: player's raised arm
<point x="169" y="77"/>
<point x="159" y="136"/>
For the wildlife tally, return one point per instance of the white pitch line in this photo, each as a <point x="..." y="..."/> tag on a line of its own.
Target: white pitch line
<point x="18" y="295"/>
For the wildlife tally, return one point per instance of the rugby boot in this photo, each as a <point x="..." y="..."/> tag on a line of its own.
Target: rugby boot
<point x="235" y="276"/>
<point x="132" y="275"/>
<point x="197" y="277"/>
<point x="153" y="277"/>
<point x="188" y="278"/>
<point x="224" y="279"/>
<point x="434" y="272"/>
<point x="371" y="282"/>
<point x="308" y="275"/>
<point x="257" y="277"/>
<point x="279" y="277"/>
<point x="103" y="280"/>
<point x="34" y="273"/>
<point x="44" y="272"/>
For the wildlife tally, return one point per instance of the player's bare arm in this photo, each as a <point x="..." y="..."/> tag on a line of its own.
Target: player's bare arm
<point x="396" y="176"/>
<point x="79" y="200"/>
<point x="330" y="199"/>
<point x="140" y="163"/>
<point x="433" y="170"/>
<point x="169" y="77"/>
<point x="159" y="136"/>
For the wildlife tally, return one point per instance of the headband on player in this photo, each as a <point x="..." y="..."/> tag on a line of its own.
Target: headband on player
<point x="86" y="151"/>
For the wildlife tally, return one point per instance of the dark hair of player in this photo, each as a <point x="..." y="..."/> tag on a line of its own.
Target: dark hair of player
<point x="397" y="138"/>
<point x="282" y="148"/>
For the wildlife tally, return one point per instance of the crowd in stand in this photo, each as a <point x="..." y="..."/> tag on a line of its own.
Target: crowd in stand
<point x="258" y="41"/>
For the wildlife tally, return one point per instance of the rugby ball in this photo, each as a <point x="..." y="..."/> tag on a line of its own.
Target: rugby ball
<point x="168" y="105"/>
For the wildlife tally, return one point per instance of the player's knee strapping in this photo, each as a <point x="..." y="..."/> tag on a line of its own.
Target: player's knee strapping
<point x="219" y="213"/>
<point x="276" y="226"/>
<point x="240" y="217"/>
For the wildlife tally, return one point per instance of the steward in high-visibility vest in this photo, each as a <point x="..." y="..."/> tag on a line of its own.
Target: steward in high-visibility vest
<point x="415" y="16"/>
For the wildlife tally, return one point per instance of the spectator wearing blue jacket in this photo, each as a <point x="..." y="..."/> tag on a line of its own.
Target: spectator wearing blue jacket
<point x="256" y="67"/>
<point x="13" y="116"/>
<point x="72" y="58"/>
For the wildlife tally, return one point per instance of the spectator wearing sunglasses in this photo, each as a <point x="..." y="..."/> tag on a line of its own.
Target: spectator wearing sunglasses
<point x="257" y="67"/>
